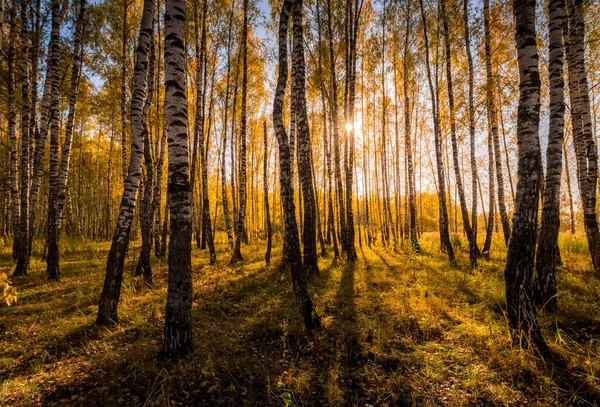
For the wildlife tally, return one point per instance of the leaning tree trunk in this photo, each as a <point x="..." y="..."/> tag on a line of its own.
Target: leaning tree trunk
<point x="294" y="256"/>
<point x="12" y="132"/>
<point x="473" y="251"/>
<point x="109" y="300"/>
<point x="309" y="235"/>
<point x="525" y="330"/>
<point x="266" y="193"/>
<point x="23" y="236"/>
<point x="146" y="209"/>
<point x="583" y="137"/>
<point x="59" y="175"/>
<point x="444" y="233"/>
<point x="412" y="206"/>
<point x="547" y="253"/>
<point x="239" y="224"/>
<point x="493" y="122"/>
<point x="178" y="316"/>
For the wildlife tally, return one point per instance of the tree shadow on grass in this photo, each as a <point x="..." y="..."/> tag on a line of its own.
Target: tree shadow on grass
<point x="575" y="390"/>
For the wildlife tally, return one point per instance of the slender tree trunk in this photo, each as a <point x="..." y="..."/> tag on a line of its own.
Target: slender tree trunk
<point x="178" y="316"/>
<point x="492" y="128"/>
<point x="309" y="235"/>
<point x="160" y="149"/>
<point x="354" y="9"/>
<point x="444" y="233"/>
<point x="59" y="175"/>
<point x="335" y="127"/>
<point x="146" y="209"/>
<point x="165" y="228"/>
<point x="225" y="199"/>
<point x="569" y="190"/>
<point x="294" y="257"/>
<point x="109" y="300"/>
<point x="201" y="81"/>
<point x="241" y="215"/>
<point x="547" y="251"/>
<point x="412" y="208"/>
<point x="387" y="216"/>
<point x="473" y="250"/>
<point x="493" y="122"/>
<point x="12" y="133"/>
<point x="124" y="90"/>
<point x="518" y="274"/>
<point x="585" y="145"/>
<point x="23" y="245"/>
<point x="266" y="193"/>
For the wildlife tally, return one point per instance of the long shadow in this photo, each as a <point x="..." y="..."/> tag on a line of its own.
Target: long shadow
<point x="575" y="389"/>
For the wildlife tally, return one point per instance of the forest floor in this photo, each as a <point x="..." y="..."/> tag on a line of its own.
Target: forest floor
<point x="399" y="329"/>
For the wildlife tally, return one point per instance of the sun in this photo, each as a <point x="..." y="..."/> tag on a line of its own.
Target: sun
<point x="349" y="127"/>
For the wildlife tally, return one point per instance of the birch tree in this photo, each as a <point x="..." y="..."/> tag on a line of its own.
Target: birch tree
<point x="241" y="213"/>
<point x="111" y="291"/>
<point x="518" y="274"/>
<point x="59" y="172"/>
<point x="547" y="255"/>
<point x="293" y="260"/>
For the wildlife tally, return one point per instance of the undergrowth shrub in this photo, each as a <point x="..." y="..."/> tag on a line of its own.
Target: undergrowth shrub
<point x="8" y="293"/>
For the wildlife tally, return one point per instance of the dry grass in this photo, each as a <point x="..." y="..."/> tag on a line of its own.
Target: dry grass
<point x="399" y="329"/>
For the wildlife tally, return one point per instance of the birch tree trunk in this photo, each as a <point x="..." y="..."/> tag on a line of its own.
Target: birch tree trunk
<point x="50" y="101"/>
<point x="412" y="206"/>
<point x="525" y="330"/>
<point x="146" y="209"/>
<point x="109" y="300"/>
<point x="309" y="235"/>
<point x="160" y="149"/>
<point x="568" y="179"/>
<point x="23" y="236"/>
<point x="199" y="40"/>
<point x="12" y="133"/>
<point x="59" y="175"/>
<point x="583" y="138"/>
<point x="178" y="316"/>
<point x="225" y="199"/>
<point x="547" y="254"/>
<point x="354" y="9"/>
<point x="473" y="251"/>
<point x="335" y="129"/>
<point x="239" y="227"/>
<point x="492" y="129"/>
<point x="493" y="122"/>
<point x="206" y="223"/>
<point x="266" y="193"/>
<point x="444" y="233"/>
<point x="124" y="90"/>
<point x="294" y="257"/>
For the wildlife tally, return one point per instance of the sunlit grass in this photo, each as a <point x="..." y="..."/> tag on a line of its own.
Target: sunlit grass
<point x="399" y="329"/>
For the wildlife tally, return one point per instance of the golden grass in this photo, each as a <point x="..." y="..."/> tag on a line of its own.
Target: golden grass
<point x="399" y="329"/>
